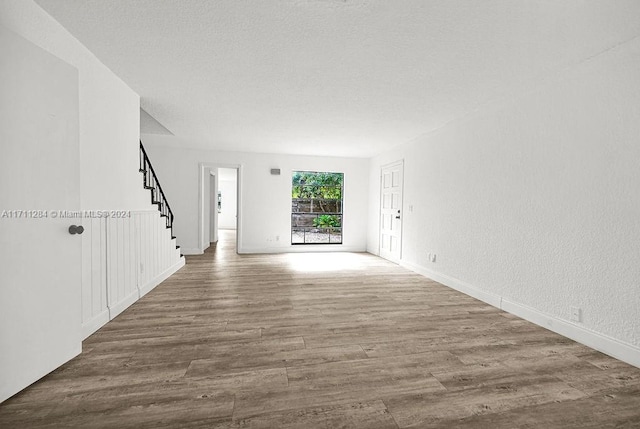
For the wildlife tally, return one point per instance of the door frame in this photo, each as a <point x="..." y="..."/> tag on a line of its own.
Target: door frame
<point x="399" y="162"/>
<point x="204" y="197"/>
<point x="213" y="214"/>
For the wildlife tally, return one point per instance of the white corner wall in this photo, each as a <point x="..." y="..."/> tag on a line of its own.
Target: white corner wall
<point x="109" y="131"/>
<point x="109" y="113"/>
<point x="265" y="200"/>
<point x="532" y="204"/>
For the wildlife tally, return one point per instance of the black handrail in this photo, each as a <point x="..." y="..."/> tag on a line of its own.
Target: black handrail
<point x="157" y="194"/>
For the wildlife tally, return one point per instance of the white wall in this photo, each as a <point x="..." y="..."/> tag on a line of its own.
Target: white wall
<point x="109" y="113"/>
<point x="532" y="204"/>
<point x="265" y="199"/>
<point x="109" y="124"/>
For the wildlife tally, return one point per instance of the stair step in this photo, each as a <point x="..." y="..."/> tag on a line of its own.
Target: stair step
<point x="173" y="237"/>
<point x="148" y="187"/>
<point x="177" y="247"/>
<point x="142" y="170"/>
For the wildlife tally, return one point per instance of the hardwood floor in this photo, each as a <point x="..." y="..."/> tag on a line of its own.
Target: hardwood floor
<point x="283" y="341"/>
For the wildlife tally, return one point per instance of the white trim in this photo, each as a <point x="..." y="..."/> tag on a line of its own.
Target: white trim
<point x="392" y="164"/>
<point x="453" y="283"/>
<point x="132" y="212"/>
<point x="107" y="265"/>
<point x="125" y="303"/>
<point x="202" y="173"/>
<point x="143" y="211"/>
<point x="160" y="278"/>
<point x="611" y="346"/>
<point x="97" y="322"/>
<point x="137" y="235"/>
<point x="191" y="251"/>
<point x="213" y="214"/>
<point x="603" y="343"/>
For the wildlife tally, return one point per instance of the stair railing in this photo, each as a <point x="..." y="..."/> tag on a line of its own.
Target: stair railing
<point x="157" y="194"/>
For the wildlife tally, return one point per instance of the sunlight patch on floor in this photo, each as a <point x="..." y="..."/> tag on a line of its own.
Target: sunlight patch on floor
<point x="320" y="262"/>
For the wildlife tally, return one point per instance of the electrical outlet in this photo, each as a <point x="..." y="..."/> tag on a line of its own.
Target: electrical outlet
<point x="277" y="238"/>
<point x="576" y="314"/>
<point x="433" y="257"/>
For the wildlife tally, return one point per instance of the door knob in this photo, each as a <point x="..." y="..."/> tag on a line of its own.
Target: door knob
<point x="76" y="229"/>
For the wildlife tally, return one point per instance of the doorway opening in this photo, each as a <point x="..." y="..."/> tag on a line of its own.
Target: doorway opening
<point x="220" y="202"/>
<point x="225" y="200"/>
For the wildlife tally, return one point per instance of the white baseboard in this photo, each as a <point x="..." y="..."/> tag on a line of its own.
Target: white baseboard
<point x="148" y="287"/>
<point x="459" y="285"/>
<point x="95" y="323"/>
<point x="111" y="312"/>
<point x="191" y="251"/>
<point x="125" y="303"/>
<point x="611" y="346"/>
<point x="603" y="343"/>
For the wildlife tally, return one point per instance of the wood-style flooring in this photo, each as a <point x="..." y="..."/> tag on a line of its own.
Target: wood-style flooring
<point x="325" y="341"/>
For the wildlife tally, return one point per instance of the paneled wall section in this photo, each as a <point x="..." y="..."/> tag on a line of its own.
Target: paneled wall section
<point x="123" y="259"/>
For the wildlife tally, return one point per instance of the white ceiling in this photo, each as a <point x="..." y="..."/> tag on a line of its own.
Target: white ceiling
<point x="334" y="77"/>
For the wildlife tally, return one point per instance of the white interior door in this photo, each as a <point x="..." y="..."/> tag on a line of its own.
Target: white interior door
<point x="40" y="272"/>
<point x="391" y="211"/>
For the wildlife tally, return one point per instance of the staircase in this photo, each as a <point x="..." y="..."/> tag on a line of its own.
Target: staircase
<point x="158" y="198"/>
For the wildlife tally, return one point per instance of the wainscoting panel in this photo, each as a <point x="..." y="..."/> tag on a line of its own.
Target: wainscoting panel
<point x="95" y="312"/>
<point x="123" y="259"/>
<point x="121" y="262"/>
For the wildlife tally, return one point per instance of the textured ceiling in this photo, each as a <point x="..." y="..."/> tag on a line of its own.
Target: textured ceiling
<point x="340" y="77"/>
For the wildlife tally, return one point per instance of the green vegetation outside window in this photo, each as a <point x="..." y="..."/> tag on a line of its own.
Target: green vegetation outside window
<point x="316" y="207"/>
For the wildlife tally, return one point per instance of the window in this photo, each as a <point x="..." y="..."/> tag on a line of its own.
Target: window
<point x="316" y="207"/>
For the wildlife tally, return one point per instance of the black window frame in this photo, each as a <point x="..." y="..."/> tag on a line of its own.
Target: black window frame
<point x="302" y="209"/>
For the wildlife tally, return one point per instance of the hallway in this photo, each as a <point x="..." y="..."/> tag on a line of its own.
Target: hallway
<point x="323" y="341"/>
